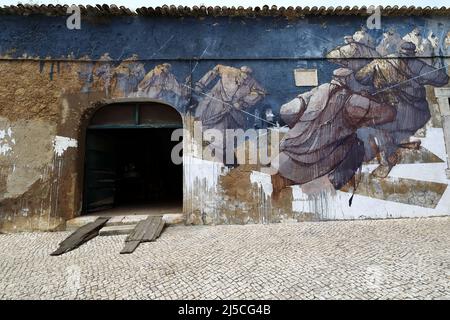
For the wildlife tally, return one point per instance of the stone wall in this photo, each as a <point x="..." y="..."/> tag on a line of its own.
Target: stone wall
<point x="48" y="95"/>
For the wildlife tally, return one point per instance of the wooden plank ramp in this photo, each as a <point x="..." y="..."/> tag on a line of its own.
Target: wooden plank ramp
<point x="145" y="231"/>
<point x="80" y="236"/>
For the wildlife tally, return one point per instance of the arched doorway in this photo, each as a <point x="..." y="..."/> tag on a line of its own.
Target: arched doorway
<point x="128" y="165"/>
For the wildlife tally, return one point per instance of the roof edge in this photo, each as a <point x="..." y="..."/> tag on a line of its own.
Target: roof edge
<point x="203" y="11"/>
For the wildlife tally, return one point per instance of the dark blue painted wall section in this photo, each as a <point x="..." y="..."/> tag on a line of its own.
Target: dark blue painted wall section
<point x="210" y="38"/>
<point x="271" y="47"/>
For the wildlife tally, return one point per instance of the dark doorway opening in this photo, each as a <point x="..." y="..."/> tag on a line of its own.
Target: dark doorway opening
<point x="128" y="165"/>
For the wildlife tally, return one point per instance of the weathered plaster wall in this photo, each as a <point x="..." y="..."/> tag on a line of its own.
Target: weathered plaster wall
<point x="40" y="123"/>
<point x="53" y="80"/>
<point x="28" y="121"/>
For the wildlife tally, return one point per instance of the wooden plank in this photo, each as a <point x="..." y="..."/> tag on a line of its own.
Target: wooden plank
<point x="146" y="230"/>
<point x="80" y="236"/>
<point x="159" y="230"/>
<point x="130" y="246"/>
<point x="152" y="229"/>
<point x="139" y="232"/>
<point x="85" y="230"/>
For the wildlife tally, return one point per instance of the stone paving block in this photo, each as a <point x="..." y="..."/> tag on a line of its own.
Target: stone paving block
<point x="134" y="219"/>
<point x="369" y="259"/>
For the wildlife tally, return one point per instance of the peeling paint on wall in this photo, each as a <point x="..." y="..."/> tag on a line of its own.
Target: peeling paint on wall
<point x="29" y="160"/>
<point x="40" y="185"/>
<point x="6" y="141"/>
<point x="204" y="172"/>
<point x="201" y="183"/>
<point x="263" y="180"/>
<point x="61" y="144"/>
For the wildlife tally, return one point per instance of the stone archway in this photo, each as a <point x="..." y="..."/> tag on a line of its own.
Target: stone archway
<point x="127" y="159"/>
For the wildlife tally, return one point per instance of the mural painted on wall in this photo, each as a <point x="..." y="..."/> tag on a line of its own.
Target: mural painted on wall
<point x="161" y="84"/>
<point x="370" y="109"/>
<point x="322" y="140"/>
<point x="368" y="113"/>
<point x="370" y="128"/>
<point x="224" y="93"/>
<point x="226" y="96"/>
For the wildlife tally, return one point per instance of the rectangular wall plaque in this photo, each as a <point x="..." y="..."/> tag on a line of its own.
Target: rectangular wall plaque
<point x="306" y="77"/>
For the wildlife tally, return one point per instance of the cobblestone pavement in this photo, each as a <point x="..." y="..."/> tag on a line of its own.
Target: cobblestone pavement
<point x="394" y="259"/>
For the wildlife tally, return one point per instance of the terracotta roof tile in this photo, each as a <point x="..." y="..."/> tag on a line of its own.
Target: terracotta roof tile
<point x="195" y="11"/>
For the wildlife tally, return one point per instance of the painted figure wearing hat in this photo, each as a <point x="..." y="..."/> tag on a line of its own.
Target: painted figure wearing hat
<point x="401" y="82"/>
<point x="233" y="89"/>
<point x="322" y="140"/>
<point x="423" y="45"/>
<point x="127" y="76"/>
<point x="222" y="93"/>
<point x="161" y="84"/>
<point x="102" y="74"/>
<point x="352" y="54"/>
<point x="390" y="44"/>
